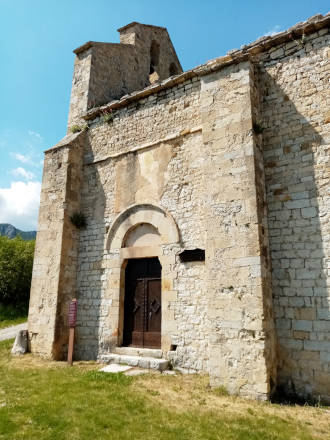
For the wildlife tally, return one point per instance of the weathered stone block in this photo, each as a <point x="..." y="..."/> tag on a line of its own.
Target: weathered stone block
<point x="21" y="343"/>
<point x="302" y="325"/>
<point x="305" y="313"/>
<point x="308" y="212"/>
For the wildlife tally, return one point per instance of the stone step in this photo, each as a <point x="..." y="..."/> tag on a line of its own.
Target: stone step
<point x="143" y="352"/>
<point x="135" y="361"/>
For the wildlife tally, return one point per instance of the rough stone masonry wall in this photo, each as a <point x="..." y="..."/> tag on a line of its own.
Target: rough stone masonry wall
<point x="189" y="175"/>
<point x="46" y="264"/>
<point x="161" y="116"/>
<point x="237" y="281"/>
<point x="294" y="82"/>
<point x="120" y="170"/>
<point x="143" y="36"/>
<point x="54" y="266"/>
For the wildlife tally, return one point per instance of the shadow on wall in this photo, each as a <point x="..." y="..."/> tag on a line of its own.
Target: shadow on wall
<point x="296" y="180"/>
<point x="90" y="273"/>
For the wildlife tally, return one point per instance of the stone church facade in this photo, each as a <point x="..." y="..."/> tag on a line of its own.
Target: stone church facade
<point x="206" y="200"/>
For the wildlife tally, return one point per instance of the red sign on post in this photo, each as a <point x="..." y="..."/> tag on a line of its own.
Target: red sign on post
<point x="73" y="313"/>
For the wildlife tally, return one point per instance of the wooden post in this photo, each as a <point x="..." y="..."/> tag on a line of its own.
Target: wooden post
<point x="70" y="350"/>
<point x="72" y="324"/>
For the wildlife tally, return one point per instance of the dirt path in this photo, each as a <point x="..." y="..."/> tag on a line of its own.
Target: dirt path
<point x="11" y="332"/>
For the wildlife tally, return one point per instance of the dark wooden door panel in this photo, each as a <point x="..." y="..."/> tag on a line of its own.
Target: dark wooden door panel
<point x="153" y="305"/>
<point x="137" y="339"/>
<point x="136" y="312"/>
<point x="152" y="340"/>
<point x="152" y="336"/>
<point x="142" y="305"/>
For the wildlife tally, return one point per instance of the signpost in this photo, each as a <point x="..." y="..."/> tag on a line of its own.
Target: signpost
<point x="72" y="324"/>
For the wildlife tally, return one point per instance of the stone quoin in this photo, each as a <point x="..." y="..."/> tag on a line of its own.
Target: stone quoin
<point x="229" y="161"/>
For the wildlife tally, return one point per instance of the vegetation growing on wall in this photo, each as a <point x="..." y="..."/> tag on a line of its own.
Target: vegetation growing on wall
<point x="108" y="116"/>
<point x="78" y="219"/>
<point x="75" y="129"/>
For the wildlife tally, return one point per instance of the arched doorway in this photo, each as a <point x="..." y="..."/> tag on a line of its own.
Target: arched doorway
<point x="141" y="233"/>
<point x="142" y="303"/>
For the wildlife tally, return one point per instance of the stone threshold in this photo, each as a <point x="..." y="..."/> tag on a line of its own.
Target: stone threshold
<point x="145" y="362"/>
<point x="138" y="351"/>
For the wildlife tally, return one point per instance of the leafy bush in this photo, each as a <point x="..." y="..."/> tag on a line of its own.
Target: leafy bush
<point x="16" y="259"/>
<point x="12" y="315"/>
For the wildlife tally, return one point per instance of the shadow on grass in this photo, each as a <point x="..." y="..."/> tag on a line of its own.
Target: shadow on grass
<point x="283" y="397"/>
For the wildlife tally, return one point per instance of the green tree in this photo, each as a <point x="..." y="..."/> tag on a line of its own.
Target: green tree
<point x="16" y="259"/>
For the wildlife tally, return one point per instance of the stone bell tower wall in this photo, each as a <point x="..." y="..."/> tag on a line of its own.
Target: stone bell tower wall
<point x="104" y="72"/>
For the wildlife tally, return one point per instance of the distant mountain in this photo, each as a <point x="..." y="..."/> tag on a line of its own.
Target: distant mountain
<point x="12" y="232"/>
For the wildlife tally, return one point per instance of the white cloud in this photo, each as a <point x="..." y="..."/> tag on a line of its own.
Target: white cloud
<point x="19" y="204"/>
<point x="35" y="135"/>
<point x="21" y="157"/>
<point x="22" y="172"/>
<point x="25" y="158"/>
<point x="273" y="31"/>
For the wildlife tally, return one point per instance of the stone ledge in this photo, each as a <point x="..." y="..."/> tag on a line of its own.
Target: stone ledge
<point x="68" y="140"/>
<point x="133" y="23"/>
<point x="148" y="145"/>
<point x="90" y="44"/>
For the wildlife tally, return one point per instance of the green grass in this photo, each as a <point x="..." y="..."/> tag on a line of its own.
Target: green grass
<point x="47" y="400"/>
<point x="10" y="315"/>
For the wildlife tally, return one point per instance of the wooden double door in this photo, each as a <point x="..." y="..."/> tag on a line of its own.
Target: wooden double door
<point x="142" y="304"/>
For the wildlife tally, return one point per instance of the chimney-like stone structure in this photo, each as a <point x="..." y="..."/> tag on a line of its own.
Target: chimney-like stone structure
<point x="104" y="72"/>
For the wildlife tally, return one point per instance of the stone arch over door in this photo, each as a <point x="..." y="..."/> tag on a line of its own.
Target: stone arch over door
<point x="161" y="220"/>
<point x="140" y="231"/>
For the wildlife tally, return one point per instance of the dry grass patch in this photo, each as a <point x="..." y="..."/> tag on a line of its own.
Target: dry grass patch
<point x="28" y="361"/>
<point x="183" y="393"/>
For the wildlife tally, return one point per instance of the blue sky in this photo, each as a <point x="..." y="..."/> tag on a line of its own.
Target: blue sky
<point x="37" y="39"/>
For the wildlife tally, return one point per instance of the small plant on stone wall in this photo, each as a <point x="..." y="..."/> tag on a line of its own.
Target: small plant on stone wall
<point x="75" y="129"/>
<point x="300" y="41"/>
<point x="107" y="116"/>
<point x="257" y="128"/>
<point x="78" y="219"/>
